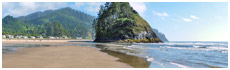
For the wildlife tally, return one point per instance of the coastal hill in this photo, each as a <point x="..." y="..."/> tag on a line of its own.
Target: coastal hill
<point x="160" y="35"/>
<point x="52" y="29"/>
<point x="118" y="22"/>
<point x="11" y="25"/>
<point x="76" y="23"/>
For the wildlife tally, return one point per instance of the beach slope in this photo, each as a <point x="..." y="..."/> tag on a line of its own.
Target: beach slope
<point x="60" y="57"/>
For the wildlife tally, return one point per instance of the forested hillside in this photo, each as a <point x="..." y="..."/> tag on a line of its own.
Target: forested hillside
<point x="51" y="29"/>
<point x="15" y="26"/>
<point x="76" y="23"/>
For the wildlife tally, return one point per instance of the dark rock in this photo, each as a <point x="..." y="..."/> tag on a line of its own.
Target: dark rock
<point x="160" y="35"/>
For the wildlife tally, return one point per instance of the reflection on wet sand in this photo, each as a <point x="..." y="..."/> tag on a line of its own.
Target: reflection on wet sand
<point x="134" y="61"/>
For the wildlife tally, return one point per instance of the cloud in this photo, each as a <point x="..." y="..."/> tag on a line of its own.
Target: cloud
<point x="187" y="20"/>
<point x="51" y="5"/>
<point x="93" y="6"/>
<point x="89" y="6"/>
<point x="161" y="14"/>
<point x="79" y="4"/>
<point x="24" y="8"/>
<point x="194" y="17"/>
<point x="140" y="7"/>
<point x="28" y="5"/>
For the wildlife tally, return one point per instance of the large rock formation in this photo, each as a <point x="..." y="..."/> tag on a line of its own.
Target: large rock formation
<point x="118" y="22"/>
<point x="160" y="35"/>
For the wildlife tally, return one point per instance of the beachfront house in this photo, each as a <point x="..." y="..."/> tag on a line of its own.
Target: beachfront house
<point x="57" y="37"/>
<point x="86" y="38"/>
<point x="65" y="37"/>
<point x="40" y="37"/>
<point x="19" y="36"/>
<point x="78" y="37"/>
<point x="25" y="37"/>
<point x="3" y="36"/>
<point x="51" y="37"/>
<point x="33" y="37"/>
<point x="10" y="36"/>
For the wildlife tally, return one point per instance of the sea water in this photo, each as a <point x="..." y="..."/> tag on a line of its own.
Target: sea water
<point x="183" y="54"/>
<point x="8" y="48"/>
<point x="176" y="54"/>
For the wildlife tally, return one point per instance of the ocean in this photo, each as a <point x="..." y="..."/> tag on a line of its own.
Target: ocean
<point x="174" y="54"/>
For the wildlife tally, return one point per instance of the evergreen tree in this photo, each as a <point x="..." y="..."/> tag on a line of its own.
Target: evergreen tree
<point x="75" y="23"/>
<point x="119" y="21"/>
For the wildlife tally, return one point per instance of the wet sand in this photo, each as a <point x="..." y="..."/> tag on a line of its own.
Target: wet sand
<point x="59" y="57"/>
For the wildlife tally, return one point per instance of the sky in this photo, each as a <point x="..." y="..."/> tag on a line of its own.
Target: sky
<point x="179" y="21"/>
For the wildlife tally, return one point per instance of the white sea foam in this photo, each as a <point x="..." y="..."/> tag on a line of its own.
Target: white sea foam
<point x="197" y="46"/>
<point x="180" y="65"/>
<point x="132" y="45"/>
<point x="218" y="48"/>
<point x="113" y="44"/>
<point x="192" y="44"/>
<point x="203" y="49"/>
<point x="149" y="59"/>
<point x="135" y="47"/>
<point x="225" y="51"/>
<point x="175" y="47"/>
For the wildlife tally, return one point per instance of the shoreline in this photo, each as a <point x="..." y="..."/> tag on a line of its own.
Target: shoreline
<point x="51" y="42"/>
<point x="58" y="56"/>
<point x="41" y="40"/>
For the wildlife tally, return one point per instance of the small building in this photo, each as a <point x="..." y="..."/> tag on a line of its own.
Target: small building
<point x="78" y="37"/>
<point x="51" y="37"/>
<point x="19" y="36"/>
<point x="57" y="37"/>
<point x="3" y="36"/>
<point x="61" y="37"/>
<point x="40" y="37"/>
<point x="10" y="36"/>
<point x="33" y="37"/>
<point x="65" y="37"/>
<point x="86" y="38"/>
<point x="25" y="37"/>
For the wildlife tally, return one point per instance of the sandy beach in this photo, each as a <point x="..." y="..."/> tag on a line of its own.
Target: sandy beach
<point x="43" y="41"/>
<point x="58" y="56"/>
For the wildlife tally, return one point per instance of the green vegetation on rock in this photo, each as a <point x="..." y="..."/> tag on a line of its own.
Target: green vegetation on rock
<point x="117" y="21"/>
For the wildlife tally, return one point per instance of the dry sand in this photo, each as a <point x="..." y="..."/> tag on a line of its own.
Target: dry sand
<point x="44" y="41"/>
<point x="59" y="57"/>
<point x="40" y="40"/>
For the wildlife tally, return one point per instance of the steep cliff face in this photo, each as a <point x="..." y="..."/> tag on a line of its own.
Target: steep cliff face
<point x="160" y="35"/>
<point x="118" y="22"/>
